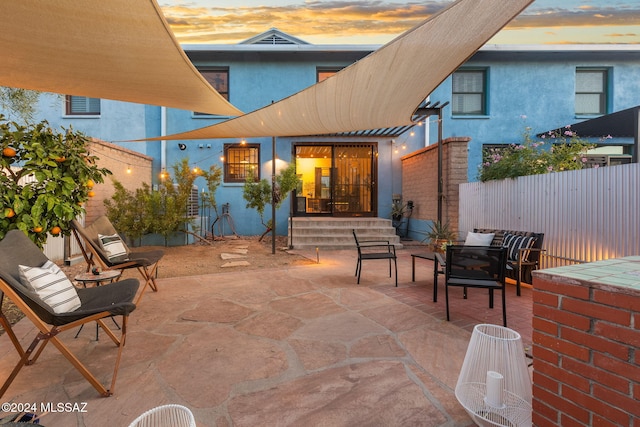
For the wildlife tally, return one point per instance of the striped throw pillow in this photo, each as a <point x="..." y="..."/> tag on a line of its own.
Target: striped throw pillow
<point x="514" y="243"/>
<point x="113" y="246"/>
<point x="51" y="285"/>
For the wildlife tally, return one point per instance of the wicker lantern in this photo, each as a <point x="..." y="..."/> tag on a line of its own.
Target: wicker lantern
<point x="494" y="386"/>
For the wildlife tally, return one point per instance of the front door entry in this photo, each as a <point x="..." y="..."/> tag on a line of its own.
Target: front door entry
<point x="336" y="179"/>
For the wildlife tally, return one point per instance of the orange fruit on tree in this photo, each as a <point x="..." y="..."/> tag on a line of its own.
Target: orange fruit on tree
<point x="90" y="183"/>
<point x="91" y="193"/>
<point x="37" y="229"/>
<point x="9" y="152"/>
<point x="9" y="213"/>
<point x="56" y="230"/>
<point x="61" y="159"/>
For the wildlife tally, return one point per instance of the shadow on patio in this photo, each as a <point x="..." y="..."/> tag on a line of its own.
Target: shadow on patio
<point x="297" y="346"/>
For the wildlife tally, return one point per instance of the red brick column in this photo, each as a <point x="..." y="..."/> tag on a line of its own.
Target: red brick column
<point x="586" y="339"/>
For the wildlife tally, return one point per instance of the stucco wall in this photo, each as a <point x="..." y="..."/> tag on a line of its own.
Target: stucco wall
<point x="420" y="183"/>
<point x="128" y="167"/>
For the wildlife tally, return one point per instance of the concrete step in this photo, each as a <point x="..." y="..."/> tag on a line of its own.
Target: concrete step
<point x="336" y="233"/>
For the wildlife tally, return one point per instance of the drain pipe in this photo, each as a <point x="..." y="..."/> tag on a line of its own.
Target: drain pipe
<point x="163" y="142"/>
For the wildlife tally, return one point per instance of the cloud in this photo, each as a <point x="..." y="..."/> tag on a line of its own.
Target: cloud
<point x="342" y="19"/>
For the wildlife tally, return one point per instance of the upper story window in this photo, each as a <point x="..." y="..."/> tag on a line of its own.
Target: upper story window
<point x="219" y="80"/>
<point x="325" y="73"/>
<point x="469" y="93"/>
<point x="82" y="106"/>
<point x="591" y="91"/>
<point x="241" y="161"/>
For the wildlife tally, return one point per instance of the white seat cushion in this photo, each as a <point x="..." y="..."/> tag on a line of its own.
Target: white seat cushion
<point x="52" y="286"/>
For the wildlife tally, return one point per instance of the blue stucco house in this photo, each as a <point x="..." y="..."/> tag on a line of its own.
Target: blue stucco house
<point x="491" y="98"/>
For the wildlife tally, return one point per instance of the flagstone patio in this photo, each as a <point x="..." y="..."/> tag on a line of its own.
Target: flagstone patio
<point x="297" y="346"/>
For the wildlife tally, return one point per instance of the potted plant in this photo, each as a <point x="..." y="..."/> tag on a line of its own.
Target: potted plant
<point x="397" y="211"/>
<point x="440" y="235"/>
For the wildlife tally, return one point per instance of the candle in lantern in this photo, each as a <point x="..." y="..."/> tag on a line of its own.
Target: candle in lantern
<point x="495" y="382"/>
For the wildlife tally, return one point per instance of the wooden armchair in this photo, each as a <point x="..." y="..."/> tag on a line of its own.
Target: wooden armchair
<point x="33" y="284"/>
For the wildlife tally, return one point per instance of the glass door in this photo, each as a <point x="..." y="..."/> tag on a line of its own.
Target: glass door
<point x="354" y="179"/>
<point x="335" y="179"/>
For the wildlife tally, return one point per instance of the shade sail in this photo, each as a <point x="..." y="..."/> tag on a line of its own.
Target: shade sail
<point x="383" y="89"/>
<point x="113" y="49"/>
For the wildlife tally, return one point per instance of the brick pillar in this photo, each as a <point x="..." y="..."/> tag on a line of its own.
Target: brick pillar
<point x="420" y="179"/>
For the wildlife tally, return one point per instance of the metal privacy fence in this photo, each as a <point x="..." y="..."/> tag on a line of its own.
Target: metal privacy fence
<point x="585" y="215"/>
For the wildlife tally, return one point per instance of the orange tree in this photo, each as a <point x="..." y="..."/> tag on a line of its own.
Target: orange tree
<point x="45" y="177"/>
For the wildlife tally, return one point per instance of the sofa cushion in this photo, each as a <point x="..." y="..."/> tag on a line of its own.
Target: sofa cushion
<point x="514" y="243"/>
<point x="479" y="239"/>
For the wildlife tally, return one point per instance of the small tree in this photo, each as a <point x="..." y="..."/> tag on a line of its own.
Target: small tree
<point x="45" y="177"/>
<point x="258" y="194"/>
<point x="143" y="211"/>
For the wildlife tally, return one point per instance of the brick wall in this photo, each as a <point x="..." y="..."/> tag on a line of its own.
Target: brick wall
<point x="586" y="339"/>
<point x="127" y="166"/>
<point x="420" y="179"/>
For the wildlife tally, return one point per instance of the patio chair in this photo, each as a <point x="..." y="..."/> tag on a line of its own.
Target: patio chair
<point x="481" y="267"/>
<point x="51" y="302"/>
<point x="375" y="249"/>
<point x="171" y="415"/>
<point x="101" y="253"/>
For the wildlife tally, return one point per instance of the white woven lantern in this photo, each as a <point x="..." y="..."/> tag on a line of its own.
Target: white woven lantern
<point x="494" y="385"/>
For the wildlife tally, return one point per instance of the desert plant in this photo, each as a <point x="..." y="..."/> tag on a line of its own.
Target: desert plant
<point x="440" y="234"/>
<point x="45" y="177"/>
<point x="259" y="194"/>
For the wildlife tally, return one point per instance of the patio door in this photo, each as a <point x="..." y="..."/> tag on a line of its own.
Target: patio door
<point x="336" y="179"/>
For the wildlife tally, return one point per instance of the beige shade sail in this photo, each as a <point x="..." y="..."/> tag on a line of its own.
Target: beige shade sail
<point x="113" y="49"/>
<point x="383" y="89"/>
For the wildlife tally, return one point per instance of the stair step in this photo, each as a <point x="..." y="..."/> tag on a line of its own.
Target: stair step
<point x="336" y="233"/>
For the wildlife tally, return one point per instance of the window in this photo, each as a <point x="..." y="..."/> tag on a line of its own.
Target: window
<point x="219" y="80"/>
<point x="591" y="91"/>
<point x="241" y="161"/>
<point x="469" y="93"/>
<point x="82" y="106"/>
<point x="325" y="73"/>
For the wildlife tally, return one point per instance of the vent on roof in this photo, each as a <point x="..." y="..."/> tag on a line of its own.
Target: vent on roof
<point x="274" y="39"/>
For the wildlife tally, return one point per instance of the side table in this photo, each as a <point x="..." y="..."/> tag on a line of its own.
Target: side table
<point x="438" y="268"/>
<point x="103" y="277"/>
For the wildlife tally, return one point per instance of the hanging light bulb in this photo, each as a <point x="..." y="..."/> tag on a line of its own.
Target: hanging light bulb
<point x="129" y="169"/>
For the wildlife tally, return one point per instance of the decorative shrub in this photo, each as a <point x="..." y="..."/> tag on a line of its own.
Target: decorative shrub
<point x="555" y="152"/>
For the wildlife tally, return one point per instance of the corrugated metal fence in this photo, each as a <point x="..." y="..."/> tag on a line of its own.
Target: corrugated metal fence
<point x="585" y="215"/>
<point x="54" y="247"/>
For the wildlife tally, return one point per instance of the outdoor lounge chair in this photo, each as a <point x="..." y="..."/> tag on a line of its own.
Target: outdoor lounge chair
<point x="146" y="262"/>
<point x="375" y="249"/>
<point x="476" y="267"/>
<point x="40" y="303"/>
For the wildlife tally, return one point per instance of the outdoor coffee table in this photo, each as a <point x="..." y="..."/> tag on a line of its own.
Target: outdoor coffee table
<point x="99" y="279"/>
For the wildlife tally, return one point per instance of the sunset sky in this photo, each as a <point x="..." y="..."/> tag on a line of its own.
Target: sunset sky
<point x="377" y="22"/>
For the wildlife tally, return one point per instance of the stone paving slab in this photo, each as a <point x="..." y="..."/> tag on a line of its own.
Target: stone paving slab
<point x="235" y="264"/>
<point x="298" y="346"/>
<point x="226" y="256"/>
